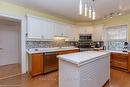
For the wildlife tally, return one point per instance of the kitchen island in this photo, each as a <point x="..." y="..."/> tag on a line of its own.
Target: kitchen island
<point x="84" y="69"/>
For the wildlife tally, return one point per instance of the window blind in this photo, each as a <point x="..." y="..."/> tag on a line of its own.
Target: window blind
<point x="116" y="36"/>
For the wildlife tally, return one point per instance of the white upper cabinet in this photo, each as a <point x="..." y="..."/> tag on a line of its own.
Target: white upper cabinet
<point x="98" y="32"/>
<point x="67" y="30"/>
<point x="73" y="33"/>
<point x="59" y="29"/>
<point x="85" y="30"/>
<point x="39" y="28"/>
<point x="34" y="27"/>
<point x="46" y="29"/>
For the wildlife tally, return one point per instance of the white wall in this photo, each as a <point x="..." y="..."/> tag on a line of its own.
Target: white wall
<point x="10" y="42"/>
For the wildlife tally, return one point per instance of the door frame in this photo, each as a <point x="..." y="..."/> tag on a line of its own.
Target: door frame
<point x="23" y="39"/>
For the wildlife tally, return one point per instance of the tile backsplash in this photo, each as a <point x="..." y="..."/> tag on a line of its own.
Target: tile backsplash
<point x="46" y="44"/>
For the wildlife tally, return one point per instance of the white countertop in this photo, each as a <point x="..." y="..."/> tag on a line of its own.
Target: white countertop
<point x="118" y="52"/>
<point x="83" y="57"/>
<point x="42" y="50"/>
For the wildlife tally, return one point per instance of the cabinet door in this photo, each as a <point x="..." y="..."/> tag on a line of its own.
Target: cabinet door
<point x="98" y="33"/>
<point x="36" y="64"/>
<point x="40" y="28"/>
<point x="119" y="60"/>
<point x="58" y="29"/>
<point x="85" y="30"/>
<point x="48" y="30"/>
<point x="89" y="30"/>
<point x="82" y="30"/>
<point x="34" y="27"/>
<point x="72" y="33"/>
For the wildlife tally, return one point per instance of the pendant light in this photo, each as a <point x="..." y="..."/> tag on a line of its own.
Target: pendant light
<point x="90" y="12"/>
<point x="87" y="8"/>
<point x="80" y="7"/>
<point x="93" y="15"/>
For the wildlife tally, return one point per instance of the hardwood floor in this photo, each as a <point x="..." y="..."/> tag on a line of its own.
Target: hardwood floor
<point x="118" y="79"/>
<point x="10" y="70"/>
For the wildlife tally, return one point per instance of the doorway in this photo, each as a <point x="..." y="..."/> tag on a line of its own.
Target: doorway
<point x="10" y="48"/>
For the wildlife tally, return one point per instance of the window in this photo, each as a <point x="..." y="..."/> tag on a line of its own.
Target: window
<point x="115" y="37"/>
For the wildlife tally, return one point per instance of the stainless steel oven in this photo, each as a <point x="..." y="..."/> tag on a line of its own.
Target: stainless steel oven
<point x="85" y="42"/>
<point x="50" y="62"/>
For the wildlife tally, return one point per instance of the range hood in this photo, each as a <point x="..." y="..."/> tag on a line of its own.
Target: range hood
<point x="60" y="37"/>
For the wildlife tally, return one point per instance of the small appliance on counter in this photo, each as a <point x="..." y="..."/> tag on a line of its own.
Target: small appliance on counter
<point x="99" y="45"/>
<point x="125" y="49"/>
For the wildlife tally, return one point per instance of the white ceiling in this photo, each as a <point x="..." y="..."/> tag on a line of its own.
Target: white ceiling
<point x="69" y="8"/>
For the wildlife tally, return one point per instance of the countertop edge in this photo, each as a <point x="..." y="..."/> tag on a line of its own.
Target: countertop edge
<point x="83" y="62"/>
<point x="33" y="52"/>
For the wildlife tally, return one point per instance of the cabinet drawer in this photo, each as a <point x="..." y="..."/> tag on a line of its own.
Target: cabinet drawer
<point x="119" y="57"/>
<point x="123" y="65"/>
<point x="68" y="51"/>
<point x="119" y="60"/>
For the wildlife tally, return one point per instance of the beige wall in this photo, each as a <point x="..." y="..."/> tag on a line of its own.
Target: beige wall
<point x="16" y="10"/>
<point x="125" y="19"/>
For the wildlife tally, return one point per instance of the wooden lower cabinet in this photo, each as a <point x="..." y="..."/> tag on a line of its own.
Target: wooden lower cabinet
<point x="36" y="61"/>
<point x="119" y="60"/>
<point x="129" y="61"/>
<point x="36" y="64"/>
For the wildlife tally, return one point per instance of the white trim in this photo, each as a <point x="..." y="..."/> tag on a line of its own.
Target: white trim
<point x="23" y="38"/>
<point x="105" y="27"/>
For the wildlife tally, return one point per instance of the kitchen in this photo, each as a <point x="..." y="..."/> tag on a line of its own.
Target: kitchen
<point x="53" y="37"/>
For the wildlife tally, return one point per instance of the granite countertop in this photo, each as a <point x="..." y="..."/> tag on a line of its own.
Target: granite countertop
<point x="54" y="49"/>
<point x="83" y="57"/>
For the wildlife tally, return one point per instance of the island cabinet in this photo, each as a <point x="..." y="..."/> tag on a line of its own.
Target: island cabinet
<point x="83" y="69"/>
<point x="36" y="64"/>
<point x="119" y="60"/>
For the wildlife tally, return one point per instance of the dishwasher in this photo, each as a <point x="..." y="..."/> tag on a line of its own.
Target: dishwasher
<point x="50" y="62"/>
